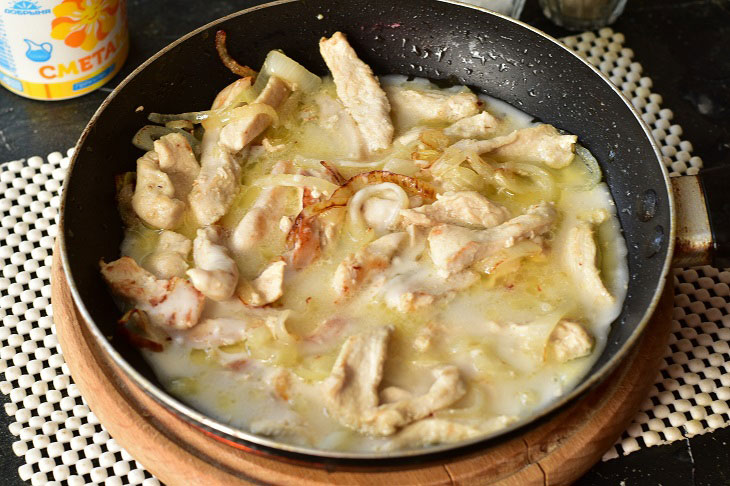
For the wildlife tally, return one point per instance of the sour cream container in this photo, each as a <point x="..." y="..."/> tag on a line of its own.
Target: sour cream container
<point x="60" y="49"/>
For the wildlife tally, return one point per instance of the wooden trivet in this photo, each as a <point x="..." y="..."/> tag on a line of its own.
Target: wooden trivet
<point x="554" y="453"/>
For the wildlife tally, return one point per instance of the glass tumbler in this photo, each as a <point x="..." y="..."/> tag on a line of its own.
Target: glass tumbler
<point x="513" y="8"/>
<point x="582" y="14"/>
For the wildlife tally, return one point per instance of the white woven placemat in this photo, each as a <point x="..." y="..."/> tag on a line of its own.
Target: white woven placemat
<point x="62" y="441"/>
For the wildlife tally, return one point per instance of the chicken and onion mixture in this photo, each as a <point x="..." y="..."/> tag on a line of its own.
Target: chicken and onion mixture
<point x="357" y="263"/>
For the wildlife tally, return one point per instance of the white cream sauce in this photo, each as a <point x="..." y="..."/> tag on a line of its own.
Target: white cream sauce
<point x="496" y="331"/>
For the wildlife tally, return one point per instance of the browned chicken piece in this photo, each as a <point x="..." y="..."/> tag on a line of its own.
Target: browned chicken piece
<point x="230" y="93"/>
<point x="267" y="212"/>
<point x="278" y="427"/>
<point x="215" y="273"/>
<point x="359" y="90"/>
<point x="154" y="198"/>
<point x="358" y="268"/>
<point x="178" y="162"/>
<point x="173" y="303"/>
<point x="240" y="132"/>
<point x="351" y="391"/>
<point x="446" y="389"/>
<point x="477" y="126"/>
<point x="264" y="289"/>
<point x="217" y="183"/>
<point x="170" y="256"/>
<point x="538" y="144"/>
<point x="223" y="331"/>
<point x="260" y="220"/>
<point x="569" y="340"/>
<point x="455" y="248"/>
<point x="463" y="208"/>
<point x="431" y="105"/>
<point x="431" y="431"/>
<point x="352" y="388"/>
<point x="415" y="293"/>
<point x="580" y="258"/>
<point x="124" y="197"/>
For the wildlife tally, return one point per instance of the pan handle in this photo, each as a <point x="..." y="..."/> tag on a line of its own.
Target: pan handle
<point x="703" y="218"/>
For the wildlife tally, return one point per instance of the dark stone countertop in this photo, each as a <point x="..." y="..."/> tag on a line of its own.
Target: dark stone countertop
<point x="682" y="45"/>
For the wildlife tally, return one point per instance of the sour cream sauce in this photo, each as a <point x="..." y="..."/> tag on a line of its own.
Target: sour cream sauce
<point x="496" y="331"/>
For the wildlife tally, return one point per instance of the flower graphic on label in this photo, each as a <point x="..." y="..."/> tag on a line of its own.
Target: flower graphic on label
<point x="25" y="5"/>
<point x="83" y="23"/>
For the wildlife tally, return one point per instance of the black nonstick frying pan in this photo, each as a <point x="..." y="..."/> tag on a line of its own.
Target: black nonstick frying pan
<point x="446" y="42"/>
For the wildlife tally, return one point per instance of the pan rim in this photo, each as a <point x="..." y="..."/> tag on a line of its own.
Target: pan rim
<point x="199" y="419"/>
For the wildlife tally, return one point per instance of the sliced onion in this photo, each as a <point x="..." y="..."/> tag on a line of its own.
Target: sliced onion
<point x="333" y="172"/>
<point x="294" y="74"/>
<point x="540" y="177"/>
<point x="401" y="166"/>
<point x="342" y="195"/>
<point x="145" y="137"/>
<point x="592" y="167"/>
<point x="481" y="167"/>
<point x="384" y="190"/>
<point x="452" y="157"/>
<point x="295" y="180"/>
<point x="462" y="179"/>
<point x="249" y="111"/>
<point x="246" y="96"/>
<point x="412" y="186"/>
<point x="191" y="116"/>
<point x="228" y="61"/>
<point x="181" y="124"/>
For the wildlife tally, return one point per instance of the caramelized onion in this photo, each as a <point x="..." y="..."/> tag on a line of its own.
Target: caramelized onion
<point x="336" y="176"/>
<point x="228" y="61"/>
<point x="411" y="185"/>
<point x="303" y="226"/>
<point x="134" y="325"/>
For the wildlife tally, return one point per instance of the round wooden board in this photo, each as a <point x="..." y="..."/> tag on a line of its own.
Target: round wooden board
<point x="554" y="453"/>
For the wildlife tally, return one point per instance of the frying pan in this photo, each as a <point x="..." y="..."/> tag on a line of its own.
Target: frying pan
<point x="446" y="42"/>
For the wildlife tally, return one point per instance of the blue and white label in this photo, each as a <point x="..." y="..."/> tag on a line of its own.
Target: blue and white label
<point x="26" y="7"/>
<point x="11" y="82"/>
<point x="94" y="79"/>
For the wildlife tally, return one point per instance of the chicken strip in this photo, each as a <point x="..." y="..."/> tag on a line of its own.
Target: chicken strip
<point x="538" y="144"/>
<point x="569" y="340"/>
<point x="217" y="183"/>
<point x="351" y="390"/>
<point x="173" y="303"/>
<point x="154" y="198"/>
<point x="264" y="289"/>
<point x="463" y="208"/>
<point x="359" y="91"/>
<point x="260" y="220"/>
<point x="431" y="431"/>
<point x="178" y="162"/>
<point x="477" y="126"/>
<point x="454" y="248"/>
<point x="240" y="132"/>
<point x="359" y="268"/>
<point x="431" y="105"/>
<point x="580" y="258"/>
<point x="215" y="273"/>
<point x="170" y="256"/>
